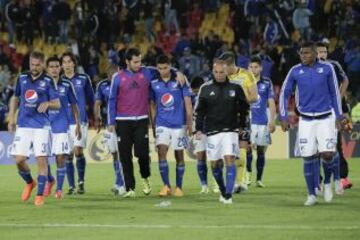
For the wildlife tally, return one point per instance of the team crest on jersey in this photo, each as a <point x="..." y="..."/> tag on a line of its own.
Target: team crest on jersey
<point x="320" y="70"/>
<point x="61" y="89"/>
<point x="301" y="71"/>
<point x="232" y="93"/>
<point x="31" y="96"/>
<point x="167" y="100"/>
<point x="42" y="84"/>
<point x="262" y="87"/>
<point x="78" y="82"/>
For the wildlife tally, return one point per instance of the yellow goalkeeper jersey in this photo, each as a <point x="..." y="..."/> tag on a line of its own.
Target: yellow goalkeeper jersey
<point x="245" y="78"/>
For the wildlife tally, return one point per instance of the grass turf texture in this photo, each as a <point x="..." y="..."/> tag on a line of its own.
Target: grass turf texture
<point x="275" y="212"/>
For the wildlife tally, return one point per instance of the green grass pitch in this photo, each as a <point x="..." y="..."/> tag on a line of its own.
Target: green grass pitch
<point x="275" y="212"/>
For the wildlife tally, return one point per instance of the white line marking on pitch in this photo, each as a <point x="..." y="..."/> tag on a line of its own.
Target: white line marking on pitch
<point x="162" y="226"/>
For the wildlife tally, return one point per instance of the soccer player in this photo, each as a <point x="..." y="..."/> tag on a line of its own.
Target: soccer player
<point x="339" y="159"/>
<point x="100" y="112"/>
<point x="316" y="97"/>
<point x="217" y="114"/>
<point x="129" y="110"/>
<point x="59" y="123"/>
<point x="248" y="83"/>
<point x="261" y="126"/>
<point x="200" y="145"/>
<point x="171" y="113"/>
<point x="35" y="94"/>
<point x="85" y="97"/>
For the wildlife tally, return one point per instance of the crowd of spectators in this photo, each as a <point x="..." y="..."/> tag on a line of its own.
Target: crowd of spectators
<point x="187" y="30"/>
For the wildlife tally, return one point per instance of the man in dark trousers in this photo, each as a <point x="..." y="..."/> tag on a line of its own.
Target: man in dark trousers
<point x="220" y="111"/>
<point x="129" y="110"/>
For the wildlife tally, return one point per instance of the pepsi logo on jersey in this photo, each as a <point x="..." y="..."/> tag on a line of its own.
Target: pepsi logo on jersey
<point x="31" y="97"/>
<point x="167" y="100"/>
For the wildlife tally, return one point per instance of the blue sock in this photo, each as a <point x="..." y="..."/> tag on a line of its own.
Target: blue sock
<point x="70" y="173"/>
<point x="50" y="178"/>
<point x="260" y="163"/>
<point x="309" y="175"/>
<point x="218" y="175"/>
<point x="118" y="173"/>
<point x="180" y="169"/>
<point x="202" y="171"/>
<point x="80" y="165"/>
<point x="316" y="168"/>
<point x="60" y="176"/>
<point x="164" y="172"/>
<point x="41" y="184"/>
<point x="26" y="176"/>
<point x="230" y="179"/>
<point x="336" y="166"/>
<point x="249" y="158"/>
<point x="327" y="166"/>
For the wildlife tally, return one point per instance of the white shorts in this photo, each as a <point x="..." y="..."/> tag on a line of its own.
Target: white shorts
<point x="260" y="135"/>
<point x="317" y="136"/>
<point x="31" y="140"/>
<point x="200" y="145"/>
<point x="111" y="141"/>
<point x="176" y="138"/>
<point x="74" y="142"/>
<point x="60" y="143"/>
<point x="222" y="144"/>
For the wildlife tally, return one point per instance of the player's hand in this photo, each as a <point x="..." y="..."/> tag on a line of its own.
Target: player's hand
<point x="11" y="126"/>
<point x="43" y="107"/>
<point x="98" y="124"/>
<point x="78" y="131"/>
<point x="180" y="78"/>
<point x="198" y="135"/>
<point x="285" y="125"/>
<point x="111" y="128"/>
<point x="189" y="128"/>
<point x="272" y="127"/>
<point x="344" y="124"/>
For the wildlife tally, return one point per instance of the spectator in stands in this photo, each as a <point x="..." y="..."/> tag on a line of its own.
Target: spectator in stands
<point x="301" y="20"/>
<point x="13" y="16"/>
<point x="189" y="63"/>
<point x="30" y="19"/>
<point x="148" y="8"/>
<point x="79" y="18"/>
<point x="171" y="18"/>
<point x="271" y="31"/>
<point x="51" y="28"/>
<point x="352" y="61"/>
<point x="63" y="12"/>
<point x="3" y="111"/>
<point x="5" y="74"/>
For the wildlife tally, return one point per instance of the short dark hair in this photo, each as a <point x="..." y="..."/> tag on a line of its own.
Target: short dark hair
<point x="131" y="52"/>
<point x="228" y="57"/>
<point x="37" y="55"/>
<point x="53" y="59"/>
<point x="308" y="44"/>
<point x="70" y="55"/>
<point x="197" y="82"/>
<point x="162" y="59"/>
<point x="321" y="44"/>
<point x="255" y="59"/>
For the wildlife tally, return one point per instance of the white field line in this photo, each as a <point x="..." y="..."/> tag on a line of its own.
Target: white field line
<point x="193" y="226"/>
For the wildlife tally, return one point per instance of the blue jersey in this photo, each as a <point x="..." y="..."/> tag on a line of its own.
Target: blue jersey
<point x="169" y="100"/>
<point x="317" y="91"/>
<point x="259" y="108"/>
<point x="102" y="94"/>
<point x="84" y="94"/>
<point x="59" y="119"/>
<point x="31" y="93"/>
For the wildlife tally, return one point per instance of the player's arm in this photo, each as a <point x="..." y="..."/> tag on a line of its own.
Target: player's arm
<point x="200" y="112"/>
<point x="97" y="108"/>
<point x="89" y="93"/>
<point x="112" y="104"/>
<point x="341" y="121"/>
<point x="243" y="107"/>
<point x="186" y="92"/>
<point x="152" y="116"/>
<point x="14" y="102"/>
<point x="344" y="79"/>
<point x="250" y="88"/>
<point x="286" y="90"/>
<point x="74" y="110"/>
<point x="272" y="108"/>
<point x="54" y="101"/>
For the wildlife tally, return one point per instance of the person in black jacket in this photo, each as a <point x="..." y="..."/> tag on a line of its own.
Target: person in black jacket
<point x="221" y="111"/>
